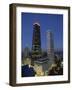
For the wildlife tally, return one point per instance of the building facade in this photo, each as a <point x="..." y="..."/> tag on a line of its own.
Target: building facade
<point x="50" y="47"/>
<point x="41" y="66"/>
<point x="36" y="42"/>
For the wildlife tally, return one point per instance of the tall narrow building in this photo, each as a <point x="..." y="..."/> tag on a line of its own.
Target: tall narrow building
<point x="36" y="42"/>
<point x="50" y="47"/>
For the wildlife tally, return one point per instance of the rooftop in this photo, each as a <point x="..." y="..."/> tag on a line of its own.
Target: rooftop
<point x="41" y="60"/>
<point x="36" y="23"/>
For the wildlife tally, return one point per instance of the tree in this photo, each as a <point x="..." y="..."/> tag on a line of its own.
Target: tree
<point x="28" y="71"/>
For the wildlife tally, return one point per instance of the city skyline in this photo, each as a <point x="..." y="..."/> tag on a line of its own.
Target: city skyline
<point x="52" y="22"/>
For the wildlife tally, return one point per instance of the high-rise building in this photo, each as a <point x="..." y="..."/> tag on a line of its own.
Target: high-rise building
<point x="26" y="56"/>
<point x="26" y="52"/>
<point x="36" y="42"/>
<point x="50" y="47"/>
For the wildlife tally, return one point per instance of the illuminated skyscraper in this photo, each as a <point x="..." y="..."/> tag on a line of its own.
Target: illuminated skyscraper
<point x="50" y="47"/>
<point x="36" y="42"/>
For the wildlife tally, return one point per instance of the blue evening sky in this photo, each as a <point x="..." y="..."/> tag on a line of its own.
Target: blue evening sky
<point x="53" y="22"/>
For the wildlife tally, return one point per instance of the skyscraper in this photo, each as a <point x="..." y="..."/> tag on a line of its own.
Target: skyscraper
<point x="36" y="41"/>
<point x="50" y="47"/>
<point x="26" y="52"/>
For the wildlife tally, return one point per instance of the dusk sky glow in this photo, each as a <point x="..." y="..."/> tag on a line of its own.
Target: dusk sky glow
<point x="53" y="22"/>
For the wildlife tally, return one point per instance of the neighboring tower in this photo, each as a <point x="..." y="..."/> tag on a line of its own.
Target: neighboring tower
<point x="36" y="42"/>
<point x="50" y="47"/>
<point x="26" y="52"/>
